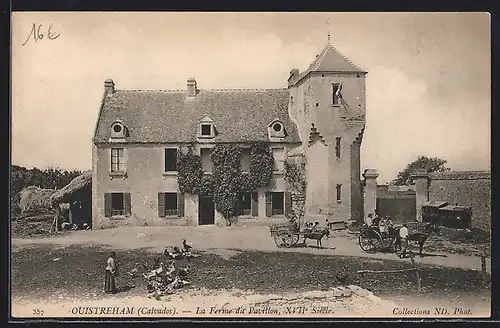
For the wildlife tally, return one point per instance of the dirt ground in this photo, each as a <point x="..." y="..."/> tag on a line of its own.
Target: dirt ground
<point x="215" y="239"/>
<point x="68" y="268"/>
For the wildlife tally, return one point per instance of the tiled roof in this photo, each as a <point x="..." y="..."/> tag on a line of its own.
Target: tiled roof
<point x="330" y="60"/>
<point x="160" y="116"/>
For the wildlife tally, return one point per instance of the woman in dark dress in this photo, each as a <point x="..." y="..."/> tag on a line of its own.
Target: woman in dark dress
<point x="111" y="270"/>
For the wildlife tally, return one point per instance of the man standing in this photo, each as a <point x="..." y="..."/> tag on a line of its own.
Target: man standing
<point x="369" y="220"/>
<point x="403" y="235"/>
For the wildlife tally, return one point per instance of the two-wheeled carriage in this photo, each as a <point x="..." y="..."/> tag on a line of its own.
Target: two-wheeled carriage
<point x="286" y="234"/>
<point x="372" y="240"/>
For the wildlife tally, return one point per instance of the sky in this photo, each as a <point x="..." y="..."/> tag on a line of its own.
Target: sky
<point x="428" y="82"/>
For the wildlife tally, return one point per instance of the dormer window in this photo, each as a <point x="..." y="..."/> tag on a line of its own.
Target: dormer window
<point x="206" y="128"/>
<point x="118" y="130"/>
<point x="276" y="129"/>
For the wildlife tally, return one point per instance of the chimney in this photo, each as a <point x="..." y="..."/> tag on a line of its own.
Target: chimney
<point x="109" y="86"/>
<point x="191" y="87"/>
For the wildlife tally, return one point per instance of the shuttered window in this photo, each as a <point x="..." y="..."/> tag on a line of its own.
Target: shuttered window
<point x="245" y="204"/>
<point x="117" y="204"/>
<point x="170" y="204"/>
<point x="278" y="203"/>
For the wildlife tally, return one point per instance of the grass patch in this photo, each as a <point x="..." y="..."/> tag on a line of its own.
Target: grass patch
<point x="79" y="271"/>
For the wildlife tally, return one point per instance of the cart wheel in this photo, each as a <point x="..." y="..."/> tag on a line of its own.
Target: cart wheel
<point x="368" y="243"/>
<point x="278" y="239"/>
<point x="295" y="239"/>
<point x="287" y="239"/>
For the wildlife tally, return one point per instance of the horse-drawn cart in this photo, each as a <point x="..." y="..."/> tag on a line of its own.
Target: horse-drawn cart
<point x="285" y="235"/>
<point x="288" y="234"/>
<point x="372" y="240"/>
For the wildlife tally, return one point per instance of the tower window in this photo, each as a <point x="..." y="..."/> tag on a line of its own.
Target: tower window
<point x="339" y="193"/>
<point x="335" y="89"/>
<point x="338" y="144"/>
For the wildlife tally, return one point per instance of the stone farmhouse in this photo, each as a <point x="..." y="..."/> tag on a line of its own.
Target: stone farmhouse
<point x="320" y="116"/>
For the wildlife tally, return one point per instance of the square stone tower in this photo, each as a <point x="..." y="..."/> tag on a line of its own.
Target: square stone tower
<point x="328" y="103"/>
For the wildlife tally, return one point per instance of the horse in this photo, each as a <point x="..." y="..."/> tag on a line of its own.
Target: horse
<point x="316" y="235"/>
<point x="419" y="237"/>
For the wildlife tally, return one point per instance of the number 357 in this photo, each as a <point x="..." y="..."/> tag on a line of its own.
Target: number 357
<point x="37" y="312"/>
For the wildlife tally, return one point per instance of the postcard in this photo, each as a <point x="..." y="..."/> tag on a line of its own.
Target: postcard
<point x="250" y="165"/>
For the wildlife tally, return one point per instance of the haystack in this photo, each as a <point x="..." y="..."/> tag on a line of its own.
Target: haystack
<point x="35" y="198"/>
<point x="74" y="190"/>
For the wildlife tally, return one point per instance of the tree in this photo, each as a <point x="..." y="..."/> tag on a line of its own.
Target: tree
<point x="431" y="164"/>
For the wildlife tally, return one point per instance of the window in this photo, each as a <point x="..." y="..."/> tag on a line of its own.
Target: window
<point x="245" y="203"/>
<point x="206" y="160"/>
<point x="339" y="193"/>
<point x="170" y="159"/>
<point x="118" y="130"/>
<point x="278" y="200"/>
<point x="206" y="127"/>
<point x="279" y="159"/>
<point x="335" y="98"/>
<point x="117" y="207"/>
<point x="206" y="130"/>
<point x="117" y="204"/>
<point x="277" y="127"/>
<point x="245" y="160"/>
<point x="170" y="204"/>
<point x="338" y="144"/>
<point x="117" y="160"/>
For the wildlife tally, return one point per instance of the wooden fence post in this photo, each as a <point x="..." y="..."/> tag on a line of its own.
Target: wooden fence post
<point x="419" y="282"/>
<point x="483" y="268"/>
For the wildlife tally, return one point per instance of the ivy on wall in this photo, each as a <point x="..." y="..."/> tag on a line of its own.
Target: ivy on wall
<point x="189" y="171"/>
<point x="261" y="164"/>
<point x="295" y="176"/>
<point x="226" y="161"/>
<point x="227" y="181"/>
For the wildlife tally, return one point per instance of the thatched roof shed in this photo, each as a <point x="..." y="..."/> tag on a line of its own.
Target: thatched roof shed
<point x="77" y="188"/>
<point x="35" y="198"/>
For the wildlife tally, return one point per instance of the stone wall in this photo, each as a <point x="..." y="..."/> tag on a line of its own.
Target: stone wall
<point x="465" y="188"/>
